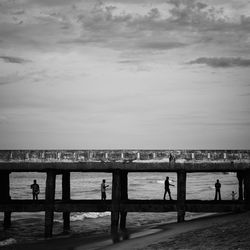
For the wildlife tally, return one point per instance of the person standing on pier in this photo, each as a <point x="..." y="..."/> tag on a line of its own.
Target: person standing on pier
<point x="103" y="189"/>
<point x="217" y="190"/>
<point x="35" y="190"/>
<point x="233" y="195"/>
<point x="167" y="189"/>
<point x="171" y="157"/>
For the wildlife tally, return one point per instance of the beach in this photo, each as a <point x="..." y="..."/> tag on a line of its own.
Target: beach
<point x="229" y="231"/>
<point x="226" y="231"/>
<point x="28" y="228"/>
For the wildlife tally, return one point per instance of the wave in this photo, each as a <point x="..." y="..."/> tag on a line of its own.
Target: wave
<point x="7" y="242"/>
<point x="96" y="190"/>
<point x="134" y="184"/>
<point x="90" y="215"/>
<point x="162" y="181"/>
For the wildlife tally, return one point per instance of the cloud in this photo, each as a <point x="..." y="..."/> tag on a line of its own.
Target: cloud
<point x="10" y="79"/>
<point x="245" y="94"/>
<point x="107" y="26"/>
<point x="11" y="59"/>
<point x="129" y="61"/>
<point x="18" y="12"/>
<point x="162" y="26"/>
<point x="222" y="62"/>
<point x="161" y="45"/>
<point x="181" y="23"/>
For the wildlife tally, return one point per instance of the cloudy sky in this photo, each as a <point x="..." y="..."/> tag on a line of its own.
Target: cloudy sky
<point x="125" y="74"/>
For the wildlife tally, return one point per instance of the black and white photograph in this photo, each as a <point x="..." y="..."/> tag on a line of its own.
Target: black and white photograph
<point x="124" y="124"/>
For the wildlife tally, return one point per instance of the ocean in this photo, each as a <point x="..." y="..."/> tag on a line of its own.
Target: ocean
<point x="28" y="227"/>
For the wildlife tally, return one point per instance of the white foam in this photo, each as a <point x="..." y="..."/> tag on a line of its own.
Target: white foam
<point x="181" y="160"/>
<point x="160" y="182"/>
<point x="163" y="181"/>
<point x="90" y="215"/>
<point x="7" y="242"/>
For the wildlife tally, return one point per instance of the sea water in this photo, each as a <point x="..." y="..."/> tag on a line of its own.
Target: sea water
<point x="30" y="226"/>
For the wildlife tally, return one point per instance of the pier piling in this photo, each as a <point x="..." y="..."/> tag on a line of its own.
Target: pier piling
<point x="116" y="198"/>
<point x="181" y="195"/>
<point x="49" y="200"/>
<point x="66" y="197"/>
<point x="5" y="196"/>
<point x="124" y="197"/>
<point x="240" y="176"/>
<point x="247" y="187"/>
<point x="7" y="220"/>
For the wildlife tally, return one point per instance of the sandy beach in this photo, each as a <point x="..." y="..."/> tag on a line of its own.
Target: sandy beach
<point x="227" y="231"/>
<point x="230" y="231"/>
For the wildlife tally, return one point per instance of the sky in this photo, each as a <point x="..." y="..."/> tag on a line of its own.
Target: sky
<point x="125" y="74"/>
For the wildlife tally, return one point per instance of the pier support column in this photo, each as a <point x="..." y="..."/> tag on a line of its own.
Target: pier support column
<point x="240" y="176"/>
<point x="49" y="200"/>
<point x="66" y="197"/>
<point x="247" y="187"/>
<point x="7" y="220"/>
<point x="5" y="196"/>
<point x="116" y="198"/>
<point x="181" y="195"/>
<point x="124" y="197"/>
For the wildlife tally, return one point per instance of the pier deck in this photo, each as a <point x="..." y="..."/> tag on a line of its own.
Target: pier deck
<point x="139" y="166"/>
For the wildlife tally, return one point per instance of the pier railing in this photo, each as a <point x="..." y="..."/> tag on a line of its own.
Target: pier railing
<point x="122" y="155"/>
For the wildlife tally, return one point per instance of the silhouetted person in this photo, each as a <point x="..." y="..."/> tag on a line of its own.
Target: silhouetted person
<point x="233" y="195"/>
<point x="35" y="190"/>
<point x="217" y="190"/>
<point x="167" y="189"/>
<point x="103" y="190"/>
<point x="171" y="157"/>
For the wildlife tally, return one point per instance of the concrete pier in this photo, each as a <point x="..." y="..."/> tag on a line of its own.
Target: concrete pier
<point x="63" y="163"/>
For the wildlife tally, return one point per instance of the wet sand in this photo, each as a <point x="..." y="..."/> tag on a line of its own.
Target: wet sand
<point x="228" y="231"/>
<point x="223" y="232"/>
